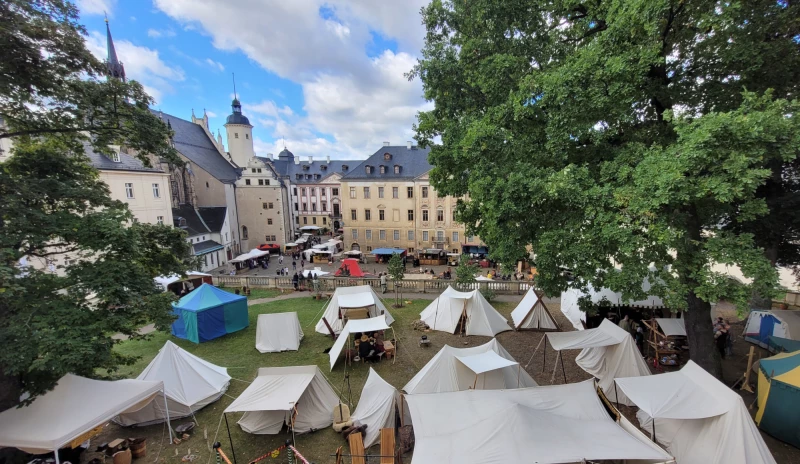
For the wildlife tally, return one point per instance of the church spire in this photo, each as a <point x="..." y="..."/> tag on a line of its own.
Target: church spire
<point x="113" y="65"/>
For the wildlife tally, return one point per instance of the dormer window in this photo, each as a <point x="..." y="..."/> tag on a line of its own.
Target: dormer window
<point x="383" y="169"/>
<point x="345" y="167"/>
<point x="298" y="176"/>
<point x="317" y="176"/>
<point x="306" y="167"/>
<point x="323" y="167"/>
<point x="308" y="176"/>
<point x="115" y="157"/>
<point x="397" y="169"/>
<point x="387" y="156"/>
<point x="369" y="169"/>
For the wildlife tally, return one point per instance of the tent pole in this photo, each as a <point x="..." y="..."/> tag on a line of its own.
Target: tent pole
<point x="616" y="396"/>
<point x="519" y="373"/>
<point x="166" y="406"/>
<point x="563" y="371"/>
<point x="654" y="430"/>
<point x="475" y="383"/>
<point x="58" y="461"/>
<point x="544" y="353"/>
<point x="230" y="440"/>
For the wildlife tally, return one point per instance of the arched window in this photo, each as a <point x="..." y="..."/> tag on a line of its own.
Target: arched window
<point x="244" y="233"/>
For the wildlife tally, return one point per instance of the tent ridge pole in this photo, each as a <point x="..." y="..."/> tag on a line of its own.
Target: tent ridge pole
<point x="230" y="440"/>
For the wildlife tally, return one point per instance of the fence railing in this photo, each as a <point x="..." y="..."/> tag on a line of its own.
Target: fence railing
<point x="505" y="287"/>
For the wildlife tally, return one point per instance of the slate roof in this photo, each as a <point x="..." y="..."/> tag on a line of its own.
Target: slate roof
<point x="193" y="143"/>
<point x="205" y="247"/>
<point x="213" y="216"/>
<point x="126" y="162"/>
<point x="194" y="223"/>
<point x="317" y="169"/>
<point x="413" y="163"/>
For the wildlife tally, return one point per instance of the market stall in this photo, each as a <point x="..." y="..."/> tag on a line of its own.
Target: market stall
<point x="180" y="285"/>
<point x="667" y="341"/>
<point x="432" y="257"/>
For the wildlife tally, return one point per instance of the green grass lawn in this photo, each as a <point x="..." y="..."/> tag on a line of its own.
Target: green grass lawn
<point x="237" y="352"/>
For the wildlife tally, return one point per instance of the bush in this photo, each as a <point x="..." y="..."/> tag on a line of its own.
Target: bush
<point x="489" y="294"/>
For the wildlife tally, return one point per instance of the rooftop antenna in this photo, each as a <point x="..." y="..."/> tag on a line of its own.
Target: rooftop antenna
<point x="234" y="86"/>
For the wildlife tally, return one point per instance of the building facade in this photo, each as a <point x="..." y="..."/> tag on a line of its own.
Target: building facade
<point x="388" y="202"/>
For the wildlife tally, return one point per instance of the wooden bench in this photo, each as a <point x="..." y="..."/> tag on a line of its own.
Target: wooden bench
<point x="387" y="446"/>
<point x="357" y="448"/>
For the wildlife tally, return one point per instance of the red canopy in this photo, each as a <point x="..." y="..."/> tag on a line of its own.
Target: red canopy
<point x="352" y="265"/>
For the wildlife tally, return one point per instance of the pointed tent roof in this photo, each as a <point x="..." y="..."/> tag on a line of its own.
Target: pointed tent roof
<point x="352" y="265"/>
<point x="376" y="407"/>
<point x="444" y="313"/>
<point x="188" y="379"/>
<point x="357" y="296"/>
<point x="205" y="297"/>
<point x="531" y="313"/>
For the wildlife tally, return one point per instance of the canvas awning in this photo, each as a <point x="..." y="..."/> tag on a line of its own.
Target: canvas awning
<point x="274" y="389"/>
<point x="310" y="228"/>
<point x="290" y="244"/>
<point x="672" y="327"/>
<point x="591" y="338"/>
<point x="355" y="326"/>
<point x="485" y="362"/>
<point x="171" y="279"/>
<point x="356" y="300"/>
<point x="75" y="406"/>
<point x="388" y="251"/>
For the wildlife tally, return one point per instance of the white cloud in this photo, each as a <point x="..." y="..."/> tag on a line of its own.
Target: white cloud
<point x="215" y="64"/>
<point x="211" y="114"/>
<point x="350" y="98"/>
<point x="141" y="63"/>
<point x="157" y="34"/>
<point x="97" y="7"/>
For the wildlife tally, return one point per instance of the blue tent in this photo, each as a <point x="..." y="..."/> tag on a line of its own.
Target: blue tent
<point x="388" y="251"/>
<point x="208" y="313"/>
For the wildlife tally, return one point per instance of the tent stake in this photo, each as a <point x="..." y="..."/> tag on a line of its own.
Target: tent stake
<point x="230" y="440"/>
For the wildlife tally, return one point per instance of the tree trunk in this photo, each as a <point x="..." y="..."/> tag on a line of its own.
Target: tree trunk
<point x="702" y="348"/>
<point x="10" y="391"/>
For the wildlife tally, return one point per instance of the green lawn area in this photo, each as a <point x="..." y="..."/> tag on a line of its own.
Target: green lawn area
<point x="237" y="352"/>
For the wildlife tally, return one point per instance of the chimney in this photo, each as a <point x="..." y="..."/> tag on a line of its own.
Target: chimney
<point x="297" y="160"/>
<point x="310" y="159"/>
<point x="385" y="144"/>
<point x="408" y="144"/>
<point x="328" y="159"/>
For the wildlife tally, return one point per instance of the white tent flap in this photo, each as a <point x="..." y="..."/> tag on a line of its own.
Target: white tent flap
<point x="452" y="309"/>
<point x="699" y="419"/>
<point x="531" y="313"/>
<point x="360" y="296"/>
<point x="555" y="424"/>
<point x="376" y="407"/>
<point x="355" y="326"/>
<point x="75" y="406"/>
<point x="672" y="327"/>
<point x="356" y="300"/>
<point x="485" y="362"/>
<point x="278" y="332"/>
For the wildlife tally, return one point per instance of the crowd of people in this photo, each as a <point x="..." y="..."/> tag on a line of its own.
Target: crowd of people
<point x="369" y="346"/>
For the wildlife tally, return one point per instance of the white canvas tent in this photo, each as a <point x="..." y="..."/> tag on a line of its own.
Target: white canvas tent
<point x="672" y="327"/>
<point x="270" y="400"/>
<point x="569" y="302"/>
<point x="784" y="324"/>
<point x="355" y="326"/>
<point x="608" y="353"/>
<point x="553" y="424"/>
<point x="464" y="311"/>
<point x="345" y="298"/>
<point x="447" y="371"/>
<point x="698" y="419"/>
<point x="377" y="407"/>
<point x="190" y="383"/>
<point x="165" y="281"/>
<point x="74" y="407"/>
<point x="278" y="332"/>
<point x="531" y="313"/>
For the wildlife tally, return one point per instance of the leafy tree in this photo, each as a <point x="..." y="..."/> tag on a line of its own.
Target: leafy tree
<point x="55" y="106"/>
<point x="396" y="273"/>
<point x="465" y="273"/>
<point x="617" y="138"/>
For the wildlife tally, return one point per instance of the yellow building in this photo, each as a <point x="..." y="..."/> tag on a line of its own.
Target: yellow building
<point x="388" y="202"/>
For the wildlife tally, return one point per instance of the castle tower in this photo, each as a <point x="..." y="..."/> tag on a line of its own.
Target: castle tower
<point x="113" y="65"/>
<point x="240" y="135"/>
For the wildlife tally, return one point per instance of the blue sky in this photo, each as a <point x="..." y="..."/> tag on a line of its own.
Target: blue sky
<point x="326" y="77"/>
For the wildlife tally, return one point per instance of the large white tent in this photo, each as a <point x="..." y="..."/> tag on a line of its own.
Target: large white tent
<point x="252" y="254"/>
<point x="464" y="311"/>
<point x="697" y="418"/>
<point x="345" y="298"/>
<point x="761" y="325"/>
<point x="454" y="369"/>
<point x="74" y="407"/>
<point x="190" y="384"/>
<point x="608" y="353"/>
<point x="278" y="332"/>
<point x="531" y="313"/>
<point x="372" y="324"/>
<point x="672" y="327"/>
<point x="569" y="301"/>
<point x="271" y="399"/>
<point x="376" y="408"/>
<point x="553" y="424"/>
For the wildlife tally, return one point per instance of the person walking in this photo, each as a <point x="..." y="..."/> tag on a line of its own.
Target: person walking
<point x="280" y="259"/>
<point x="295" y="281"/>
<point x="294" y="265"/>
<point x="383" y="282"/>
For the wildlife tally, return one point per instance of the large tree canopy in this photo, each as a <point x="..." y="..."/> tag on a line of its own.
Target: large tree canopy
<point x="618" y="138"/>
<point x="54" y="104"/>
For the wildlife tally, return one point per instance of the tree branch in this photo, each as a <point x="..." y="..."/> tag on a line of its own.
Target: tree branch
<point x="61" y="130"/>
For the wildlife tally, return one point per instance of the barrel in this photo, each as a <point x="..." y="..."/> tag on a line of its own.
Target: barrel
<point x="139" y="448"/>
